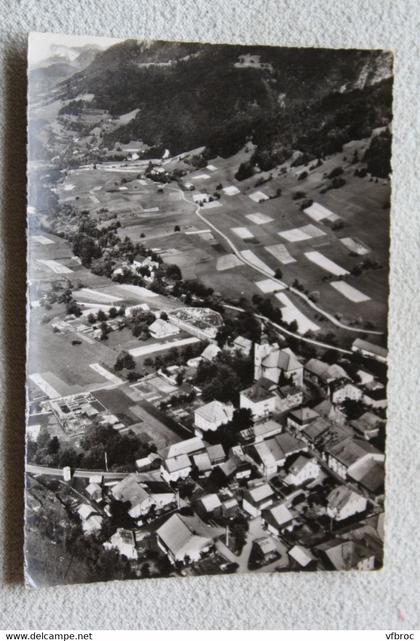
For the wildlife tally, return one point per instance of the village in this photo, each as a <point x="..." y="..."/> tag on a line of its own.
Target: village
<point x="207" y="371"/>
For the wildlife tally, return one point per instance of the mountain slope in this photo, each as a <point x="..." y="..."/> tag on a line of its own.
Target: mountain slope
<point x="190" y="95"/>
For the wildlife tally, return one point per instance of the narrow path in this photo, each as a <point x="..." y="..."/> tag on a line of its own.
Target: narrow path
<point x="262" y="271"/>
<point x="282" y="330"/>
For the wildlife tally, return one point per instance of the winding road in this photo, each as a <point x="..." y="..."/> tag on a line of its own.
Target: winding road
<point x="330" y="317"/>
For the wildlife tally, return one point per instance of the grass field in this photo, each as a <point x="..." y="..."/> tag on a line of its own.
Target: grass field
<point x="360" y="206"/>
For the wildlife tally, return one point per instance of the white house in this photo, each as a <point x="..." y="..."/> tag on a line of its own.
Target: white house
<point x="278" y="518"/>
<point x="175" y="468"/>
<point x="303" y="469"/>
<point x="162" y="329"/>
<point x="261" y="398"/>
<point x="141" y="497"/>
<point x="342" y="390"/>
<point x="186" y="539"/>
<point x="370" y="350"/>
<point x="343" y="503"/>
<point x="209" y="417"/>
<point x="124" y="541"/>
<point x="256" y="499"/>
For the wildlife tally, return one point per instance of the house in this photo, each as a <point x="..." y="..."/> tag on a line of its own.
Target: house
<point x="261" y="398"/>
<point x="125" y="542"/>
<point x="273" y="363"/>
<point x="301" y="418"/>
<point x="210" y="352"/>
<point x="95" y="491"/>
<point x="175" y="468"/>
<point x="278" y="518"/>
<point x="303" y="469"/>
<point x="130" y="311"/>
<point x="209" y="417"/>
<point x="289" y="396"/>
<point x="265" y="550"/>
<point x="242" y="345"/>
<point x="91" y="521"/>
<point x="370" y="350"/>
<point x="369" y="474"/>
<point x="236" y="469"/>
<point x="330" y="412"/>
<point x="342" y="390"/>
<point x="301" y="556"/>
<point x="260" y="431"/>
<point x="189" y="446"/>
<point x="257" y="498"/>
<point x="142" y="496"/>
<point x="343" y="455"/>
<point x="273" y="453"/>
<point x="322" y="374"/>
<point x="375" y="397"/>
<point x="343" y="502"/>
<point x="343" y="554"/>
<point x="210" y="504"/>
<point x="162" y="329"/>
<point x="368" y="425"/>
<point x="146" y="463"/>
<point x="216" y="453"/>
<point x="202" y="464"/>
<point x="230" y="507"/>
<point x="186" y="539"/>
<point x="314" y="433"/>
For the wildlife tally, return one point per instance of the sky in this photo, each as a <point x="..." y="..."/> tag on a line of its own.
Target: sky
<point x="40" y="44"/>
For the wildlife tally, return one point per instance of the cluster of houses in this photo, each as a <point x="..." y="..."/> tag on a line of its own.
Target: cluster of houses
<point x="306" y="479"/>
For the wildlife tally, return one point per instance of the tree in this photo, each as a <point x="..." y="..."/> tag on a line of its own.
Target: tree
<point x="53" y="445"/>
<point x="278" y="273"/>
<point x="177" y="228"/>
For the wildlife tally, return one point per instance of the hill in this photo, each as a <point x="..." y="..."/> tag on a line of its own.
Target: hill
<point x="190" y="95"/>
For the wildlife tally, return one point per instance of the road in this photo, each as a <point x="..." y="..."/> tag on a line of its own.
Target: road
<point x="330" y="317"/>
<point x="289" y="333"/>
<point x="84" y="474"/>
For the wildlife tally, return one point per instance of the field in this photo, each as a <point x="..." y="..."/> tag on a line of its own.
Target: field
<point x="249" y="234"/>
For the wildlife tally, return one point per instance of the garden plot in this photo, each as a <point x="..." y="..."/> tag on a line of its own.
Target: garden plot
<point x="151" y="210"/>
<point x="294" y="235"/>
<point x="349" y="292"/>
<point x="201" y="177"/>
<point x="197" y="231"/>
<point x="231" y="190"/>
<point x="259" y="219"/>
<point x="312" y="231"/>
<point x="318" y="212"/>
<point x="106" y="374"/>
<point x="355" y="246"/>
<point x="55" y="266"/>
<point x="42" y="240"/>
<point x="252" y="258"/>
<point x="212" y="204"/>
<point x="281" y="253"/>
<point x="242" y="232"/>
<point x="327" y="264"/>
<point x="258" y="196"/>
<point x="95" y="296"/>
<point x="139" y="291"/>
<point x="268" y="286"/>
<point x="44" y="386"/>
<point x="291" y="313"/>
<point x="227" y="262"/>
<point x="158" y="347"/>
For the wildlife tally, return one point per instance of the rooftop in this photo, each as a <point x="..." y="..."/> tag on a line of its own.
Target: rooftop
<point x="215" y="412"/>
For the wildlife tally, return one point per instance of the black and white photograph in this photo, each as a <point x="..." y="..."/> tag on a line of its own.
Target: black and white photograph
<point x="208" y="252"/>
